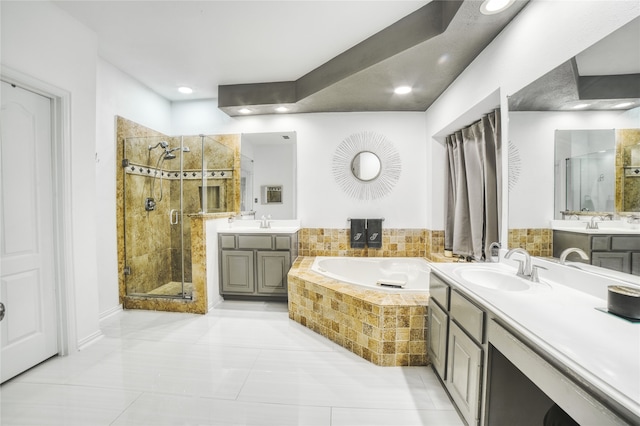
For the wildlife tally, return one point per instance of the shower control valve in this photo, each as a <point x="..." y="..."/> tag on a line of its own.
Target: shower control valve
<point x="149" y="204"/>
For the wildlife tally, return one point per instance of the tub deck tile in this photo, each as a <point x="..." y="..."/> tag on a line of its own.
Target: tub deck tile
<point x="384" y="328"/>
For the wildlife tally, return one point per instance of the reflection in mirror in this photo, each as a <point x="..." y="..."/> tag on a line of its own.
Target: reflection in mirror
<point x="366" y="166"/>
<point x="628" y="170"/>
<point x="274" y="164"/>
<point x="598" y="91"/>
<point x="246" y="185"/>
<point x="585" y="171"/>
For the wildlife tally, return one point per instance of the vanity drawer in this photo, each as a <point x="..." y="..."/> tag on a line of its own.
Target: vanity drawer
<point x="255" y="242"/>
<point x="468" y="315"/>
<point x="283" y="242"/>
<point x="227" y="241"/>
<point x="601" y="243"/>
<point x="625" y="242"/>
<point x="439" y="291"/>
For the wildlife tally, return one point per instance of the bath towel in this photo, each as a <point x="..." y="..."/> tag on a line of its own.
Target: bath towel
<point x="374" y="233"/>
<point x="358" y="237"/>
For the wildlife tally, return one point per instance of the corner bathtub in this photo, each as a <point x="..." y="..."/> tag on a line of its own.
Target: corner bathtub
<point x="389" y="274"/>
<point x="340" y="299"/>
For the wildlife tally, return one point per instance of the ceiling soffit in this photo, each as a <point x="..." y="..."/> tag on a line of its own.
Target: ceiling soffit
<point x="601" y="77"/>
<point x="426" y="50"/>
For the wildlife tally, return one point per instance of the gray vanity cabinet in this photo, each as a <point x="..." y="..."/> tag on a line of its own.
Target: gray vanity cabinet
<point x="455" y="338"/>
<point x="237" y="272"/>
<point x="612" y="260"/>
<point x="271" y="275"/>
<point x="617" y="251"/>
<point x="438" y="322"/>
<point x="464" y="369"/>
<point x="256" y="265"/>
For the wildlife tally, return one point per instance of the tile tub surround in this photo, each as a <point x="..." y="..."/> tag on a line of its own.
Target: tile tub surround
<point x="395" y="243"/>
<point x="384" y="328"/>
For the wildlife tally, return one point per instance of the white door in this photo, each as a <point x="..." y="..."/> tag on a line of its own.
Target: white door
<point x="28" y="332"/>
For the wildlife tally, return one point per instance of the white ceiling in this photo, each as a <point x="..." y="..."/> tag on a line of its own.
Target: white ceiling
<point x="203" y="44"/>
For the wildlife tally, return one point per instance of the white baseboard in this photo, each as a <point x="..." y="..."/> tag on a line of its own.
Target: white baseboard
<point x="89" y="340"/>
<point x="109" y="312"/>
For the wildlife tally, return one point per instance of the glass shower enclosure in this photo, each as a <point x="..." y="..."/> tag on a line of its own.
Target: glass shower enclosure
<point x="166" y="180"/>
<point x="591" y="182"/>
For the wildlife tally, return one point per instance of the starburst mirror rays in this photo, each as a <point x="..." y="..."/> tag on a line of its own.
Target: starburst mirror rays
<point x="366" y="166"/>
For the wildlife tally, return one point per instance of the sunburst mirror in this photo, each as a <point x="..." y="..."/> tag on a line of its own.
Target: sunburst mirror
<point x="366" y="166"/>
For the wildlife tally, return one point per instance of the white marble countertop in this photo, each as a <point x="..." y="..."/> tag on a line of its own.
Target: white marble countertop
<point x="279" y="226"/>
<point x="561" y="316"/>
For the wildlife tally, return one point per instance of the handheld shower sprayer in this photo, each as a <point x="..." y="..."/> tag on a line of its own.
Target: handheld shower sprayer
<point x="163" y="144"/>
<point x="168" y="154"/>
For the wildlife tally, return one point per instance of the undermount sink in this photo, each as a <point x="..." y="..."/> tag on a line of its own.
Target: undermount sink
<point x="493" y="279"/>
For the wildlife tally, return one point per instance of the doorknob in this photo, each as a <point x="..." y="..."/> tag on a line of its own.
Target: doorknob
<point x="1" y="311"/>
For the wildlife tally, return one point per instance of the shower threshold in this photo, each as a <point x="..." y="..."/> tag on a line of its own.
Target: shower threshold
<point x="170" y="290"/>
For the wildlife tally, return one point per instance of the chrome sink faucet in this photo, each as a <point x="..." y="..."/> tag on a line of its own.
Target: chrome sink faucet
<point x="567" y="252"/>
<point x="264" y="222"/>
<point x="524" y="270"/>
<point x="493" y="254"/>
<point x="593" y="224"/>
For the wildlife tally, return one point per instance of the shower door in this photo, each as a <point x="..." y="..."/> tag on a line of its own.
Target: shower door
<point x="157" y="253"/>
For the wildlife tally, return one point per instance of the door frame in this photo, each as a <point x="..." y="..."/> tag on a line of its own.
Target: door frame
<point x="62" y="207"/>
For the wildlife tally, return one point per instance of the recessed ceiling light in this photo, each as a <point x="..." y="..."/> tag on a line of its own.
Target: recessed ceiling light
<point x="244" y="111"/>
<point x="282" y="109"/>
<point x="402" y="90"/>
<point x="186" y="90"/>
<point x="490" y="7"/>
<point x="623" y="105"/>
<point x="580" y="106"/>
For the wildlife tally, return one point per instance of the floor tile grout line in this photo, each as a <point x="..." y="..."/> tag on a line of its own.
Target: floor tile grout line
<point x="126" y="408"/>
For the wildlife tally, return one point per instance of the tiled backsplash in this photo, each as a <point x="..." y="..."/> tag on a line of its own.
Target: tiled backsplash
<point x="537" y="241"/>
<point x="409" y="243"/>
<point x="395" y="243"/>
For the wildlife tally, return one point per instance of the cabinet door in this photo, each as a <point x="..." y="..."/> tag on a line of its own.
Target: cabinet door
<point x="437" y="338"/>
<point x="273" y="267"/>
<point x="635" y="263"/>
<point x="464" y="365"/>
<point x="618" y="261"/>
<point x="237" y="271"/>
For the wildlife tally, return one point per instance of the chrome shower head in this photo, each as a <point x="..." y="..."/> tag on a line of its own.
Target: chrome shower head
<point x="169" y="155"/>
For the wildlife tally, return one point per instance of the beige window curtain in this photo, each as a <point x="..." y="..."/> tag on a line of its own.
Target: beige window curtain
<point x="473" y="191"/>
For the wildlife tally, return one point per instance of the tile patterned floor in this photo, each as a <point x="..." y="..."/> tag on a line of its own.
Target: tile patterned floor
<point x="244" y="363"/>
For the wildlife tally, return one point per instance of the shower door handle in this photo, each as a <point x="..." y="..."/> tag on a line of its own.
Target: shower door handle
<point x="1" y="311"/>
<point x="174" y="216"/>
